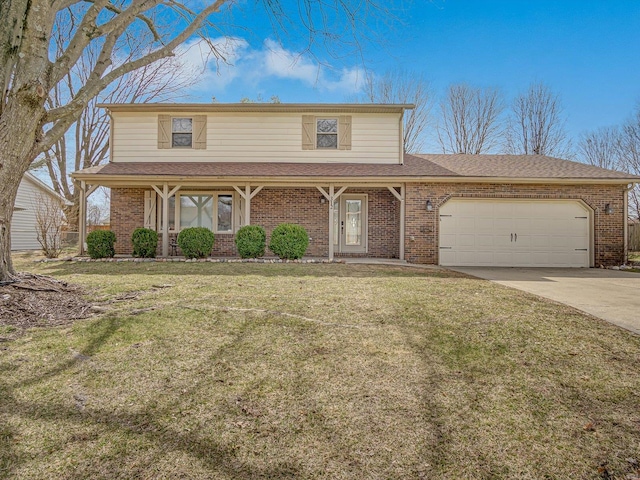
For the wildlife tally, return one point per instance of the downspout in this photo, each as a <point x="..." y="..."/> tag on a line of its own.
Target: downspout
<point x="111" y="124"/>
<point x="401" y="130"/>
<point x="626" y="222"/>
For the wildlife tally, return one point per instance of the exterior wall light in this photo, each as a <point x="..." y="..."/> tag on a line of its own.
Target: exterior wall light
<point x="323" y="200"/>
<point x="429" y="206"/>
<point x="608" y="209"/>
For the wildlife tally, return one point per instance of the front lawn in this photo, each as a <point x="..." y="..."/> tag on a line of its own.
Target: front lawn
<point x="242" y="371"/>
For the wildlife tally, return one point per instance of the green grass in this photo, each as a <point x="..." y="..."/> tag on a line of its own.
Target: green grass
<point x="238" y="371"/>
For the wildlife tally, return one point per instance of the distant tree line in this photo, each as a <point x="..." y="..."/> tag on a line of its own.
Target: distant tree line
<point x="475" y="120"/>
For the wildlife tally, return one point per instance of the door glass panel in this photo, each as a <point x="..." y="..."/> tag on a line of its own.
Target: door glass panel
<point x="225" y="204"/>
<point x="353" y="221"/>
<point x="336" y="222"/>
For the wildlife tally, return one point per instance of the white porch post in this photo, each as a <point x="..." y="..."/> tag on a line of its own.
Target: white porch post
<point x="247" y="195"/>
<point x="165" y="220"/>
<point x="247" y="204"/>
<point x="85" y="191"/>
<point x="401" y="197"/>
<point x="331" y="197"/>
<point x="82" y="216"/>
<point x="165" y="194"/>
<point x="402" y="214"/>
<point x="331" y="213"/>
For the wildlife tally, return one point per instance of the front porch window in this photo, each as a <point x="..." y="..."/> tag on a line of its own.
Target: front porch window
<point x="196" y="211"/>
<point x="213" y="210"/>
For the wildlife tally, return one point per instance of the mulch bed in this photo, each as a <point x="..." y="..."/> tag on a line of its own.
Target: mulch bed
<point x="40" y="301"/>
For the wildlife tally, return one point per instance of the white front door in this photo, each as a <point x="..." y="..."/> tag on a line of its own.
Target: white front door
<point x="350" y="224"/>
<point x="515" y="233"/>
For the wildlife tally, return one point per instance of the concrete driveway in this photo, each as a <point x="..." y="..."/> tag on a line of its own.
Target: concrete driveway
<point x="608" y="294"/>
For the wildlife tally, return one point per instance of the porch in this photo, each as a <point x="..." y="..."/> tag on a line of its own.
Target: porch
<point x="356" y="220"/>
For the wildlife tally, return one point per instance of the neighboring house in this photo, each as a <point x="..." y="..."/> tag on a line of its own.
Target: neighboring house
<point x="339" y="170"/>
<point x="23" y="222"/>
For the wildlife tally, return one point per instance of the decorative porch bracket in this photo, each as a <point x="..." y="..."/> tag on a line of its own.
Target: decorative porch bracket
<point x="400" y="196"/>
<point x="331" y="197"/>
<point x="247" y="196"/>
<point x="85" y="191"/>
<point x="165" y="194"/>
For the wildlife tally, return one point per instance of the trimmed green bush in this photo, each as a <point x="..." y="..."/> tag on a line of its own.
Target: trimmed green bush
<point x="289" y="241"/>
<point x="100" y="244"/>
<point x="196" y="242"/>
<point x="145" y="242"/>
<point x="251" y="241"/>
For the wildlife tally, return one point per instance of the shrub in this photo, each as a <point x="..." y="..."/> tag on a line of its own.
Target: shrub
<point x="289" y="241"/>
<point x="100" y="244"/>
<point x="251" y="241"/>
<point x="196" y="242"/>
<point x="145" y="242"/>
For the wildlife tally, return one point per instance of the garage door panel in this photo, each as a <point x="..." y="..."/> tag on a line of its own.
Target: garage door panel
<point x="469" y="241"/>
<point x="549" y="233"/>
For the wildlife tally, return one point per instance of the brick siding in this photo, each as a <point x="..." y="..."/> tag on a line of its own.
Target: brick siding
<point x="421" y="226"/>
<point x="273" y="206"/>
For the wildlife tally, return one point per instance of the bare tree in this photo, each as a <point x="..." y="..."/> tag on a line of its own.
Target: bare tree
<point x="601" y="148"/>
<point x="86" y="144"/>
<point x="98" y="207"/>
<point x="630" y="156"/>
<point x="537" y="125"/>
<point x="616" y="148"/>
<point x="30" y="72"/>
<point x="49" y="223"/>
<point x="404" y="87"/>
<point x="470" y="119"/>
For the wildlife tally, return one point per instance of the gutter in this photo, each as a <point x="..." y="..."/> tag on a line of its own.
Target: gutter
<point x="289" y="180"/>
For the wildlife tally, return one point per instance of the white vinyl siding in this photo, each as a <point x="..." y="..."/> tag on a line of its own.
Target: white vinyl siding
<point x="23" y="223"/>
<point x="243" y="137"/>
<point x="514" y="233"/>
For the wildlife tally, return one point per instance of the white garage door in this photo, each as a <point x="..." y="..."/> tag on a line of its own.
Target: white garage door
<point x="514" y="233"/>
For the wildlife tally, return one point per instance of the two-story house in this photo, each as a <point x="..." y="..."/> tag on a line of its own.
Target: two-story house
<point x="340" y="171"/>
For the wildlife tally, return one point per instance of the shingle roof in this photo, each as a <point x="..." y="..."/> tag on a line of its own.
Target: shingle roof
<point x="520" y="167"/>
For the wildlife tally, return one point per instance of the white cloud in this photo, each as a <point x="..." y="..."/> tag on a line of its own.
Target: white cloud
<point x="249" y="66"/>
<point x="217" y="70"/>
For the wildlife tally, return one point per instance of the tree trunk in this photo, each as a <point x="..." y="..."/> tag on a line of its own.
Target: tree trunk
<point x="18" y="124"/>
<point x="72" y="212"/>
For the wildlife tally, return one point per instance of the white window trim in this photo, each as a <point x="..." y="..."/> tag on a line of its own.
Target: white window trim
<point x="214" y="194"/>
<point x="337" y="133"/>
<point x="192" y="134"/>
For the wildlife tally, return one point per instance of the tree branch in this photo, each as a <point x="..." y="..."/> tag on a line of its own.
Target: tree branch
<point x="64" y="116"/>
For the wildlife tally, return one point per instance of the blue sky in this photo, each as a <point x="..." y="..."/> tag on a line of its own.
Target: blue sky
<point x="587" y="51"/>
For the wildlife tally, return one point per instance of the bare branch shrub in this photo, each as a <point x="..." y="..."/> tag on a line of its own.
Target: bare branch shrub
<point x="49" y="223"/>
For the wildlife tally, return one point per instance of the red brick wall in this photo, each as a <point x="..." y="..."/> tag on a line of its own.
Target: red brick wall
<point x="421" y="229"/>
<point x="270" y="207"/>
<point x="127" y="214"/>
<point x="273" y="206"/>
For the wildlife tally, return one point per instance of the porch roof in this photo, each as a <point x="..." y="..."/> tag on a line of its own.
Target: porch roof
<point x="419" y="167"/>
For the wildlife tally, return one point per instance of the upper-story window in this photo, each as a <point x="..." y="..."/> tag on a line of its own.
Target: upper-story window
<point x="182" y="132"/>
<point x="327" y="133"/>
